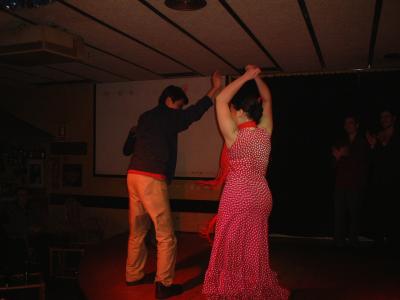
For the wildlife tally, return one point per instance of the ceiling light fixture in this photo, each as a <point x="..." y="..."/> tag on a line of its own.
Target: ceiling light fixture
<point x="20" y="4"/>
<point x="186" y="5"/>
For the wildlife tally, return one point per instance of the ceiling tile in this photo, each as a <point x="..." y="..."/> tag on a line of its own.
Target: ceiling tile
<point x="343" y="29"/>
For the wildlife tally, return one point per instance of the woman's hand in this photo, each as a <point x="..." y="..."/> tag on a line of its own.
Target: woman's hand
<point x="251" y="72"/>
<point x="250" y="67"/>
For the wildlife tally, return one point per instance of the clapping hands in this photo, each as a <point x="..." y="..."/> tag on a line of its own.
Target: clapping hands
<point x="339" y="152"/>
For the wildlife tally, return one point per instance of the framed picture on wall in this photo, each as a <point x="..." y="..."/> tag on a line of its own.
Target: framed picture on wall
<point x="35" y="173"/>
<point x="72" y="175"/>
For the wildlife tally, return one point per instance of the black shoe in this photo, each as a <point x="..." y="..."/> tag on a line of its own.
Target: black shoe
<point x="164" y="292"/>
<point x="144" y="280"/>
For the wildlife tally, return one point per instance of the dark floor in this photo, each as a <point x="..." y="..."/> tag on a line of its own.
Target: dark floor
<point x="64" y="289"/>
<point x="316" y="269"/>
<point x="58" y="289"/>
<point x="310" y="268"/>
<point x="313" y="269"/>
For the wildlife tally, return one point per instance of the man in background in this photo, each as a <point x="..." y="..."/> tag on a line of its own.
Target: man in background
<point x="384" y="207"/>
<point x="351" y="165"/>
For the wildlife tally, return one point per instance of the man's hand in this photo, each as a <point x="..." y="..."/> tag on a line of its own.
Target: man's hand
<point x="216" y="84"/>
<point x="216" y="80"/>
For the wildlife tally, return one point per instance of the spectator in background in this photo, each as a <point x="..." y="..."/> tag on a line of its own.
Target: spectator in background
<point x="351" y="164"/>
<point x="384" y="206"/>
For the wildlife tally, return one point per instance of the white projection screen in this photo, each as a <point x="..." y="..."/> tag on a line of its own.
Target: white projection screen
<point x="118" y="107"/>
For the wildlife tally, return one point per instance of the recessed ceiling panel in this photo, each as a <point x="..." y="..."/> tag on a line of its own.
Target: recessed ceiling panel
<point x="388" y="37"/>
<point x="102" y="37"/>
<point x="137" y="20"/>
<point x="51" y="74"/>
<point x="280" y="27"/>
<point x="118" y="66"/>
<point x="343" y="29"/>
<point x="93" y="73"/>
<point x="216" y="28"/>
<point x="141" y="40"/>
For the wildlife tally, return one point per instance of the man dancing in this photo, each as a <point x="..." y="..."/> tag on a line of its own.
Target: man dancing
<point x="153" y="145"/>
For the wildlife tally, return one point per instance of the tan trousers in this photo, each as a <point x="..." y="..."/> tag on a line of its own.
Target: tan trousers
<point x="148" y="201"/>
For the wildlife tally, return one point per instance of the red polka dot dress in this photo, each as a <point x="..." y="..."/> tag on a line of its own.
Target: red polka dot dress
<point x="239" y="264"/>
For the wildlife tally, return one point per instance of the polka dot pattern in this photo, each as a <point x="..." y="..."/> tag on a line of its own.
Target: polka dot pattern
<point x="239" y="264"/>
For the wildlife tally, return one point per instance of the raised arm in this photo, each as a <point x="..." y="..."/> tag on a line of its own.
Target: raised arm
<point x="226" y="123"/>
<point x="195" y="112"/>
<point x="216" y="83"/>
<point x="266" y="121"/>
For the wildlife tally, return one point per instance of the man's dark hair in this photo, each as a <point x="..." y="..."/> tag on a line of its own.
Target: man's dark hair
<point x="175" y="92"/>
<point x="248" y="99"/>
<point x="352" y="115"/>
<point x="388" y="109"/>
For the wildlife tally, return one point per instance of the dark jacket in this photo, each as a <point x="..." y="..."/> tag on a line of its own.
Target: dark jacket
<point x="386" y="163"/>
<point x="351" y="171"/>
<point x="154" y="144"/>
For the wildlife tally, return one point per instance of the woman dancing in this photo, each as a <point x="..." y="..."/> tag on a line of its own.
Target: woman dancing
<point x="239" y="264"/>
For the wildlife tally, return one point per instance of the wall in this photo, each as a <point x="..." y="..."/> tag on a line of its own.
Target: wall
<point x="308" y="116"/>
<point x="48" y="108"/>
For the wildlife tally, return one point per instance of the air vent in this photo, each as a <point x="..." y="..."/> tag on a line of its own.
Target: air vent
<point x="40" y="45"/>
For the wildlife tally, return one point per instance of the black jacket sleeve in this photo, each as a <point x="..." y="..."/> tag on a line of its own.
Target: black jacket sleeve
<point x="193" y="113"/>
<point x="129" y="145"/>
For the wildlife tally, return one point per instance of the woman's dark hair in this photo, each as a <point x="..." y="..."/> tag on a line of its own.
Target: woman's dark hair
<point x="248" y="99"/>
<point x="175" y="92"/>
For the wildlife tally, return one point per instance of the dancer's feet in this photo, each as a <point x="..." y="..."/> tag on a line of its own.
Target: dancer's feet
<point x="164" y="292"/>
